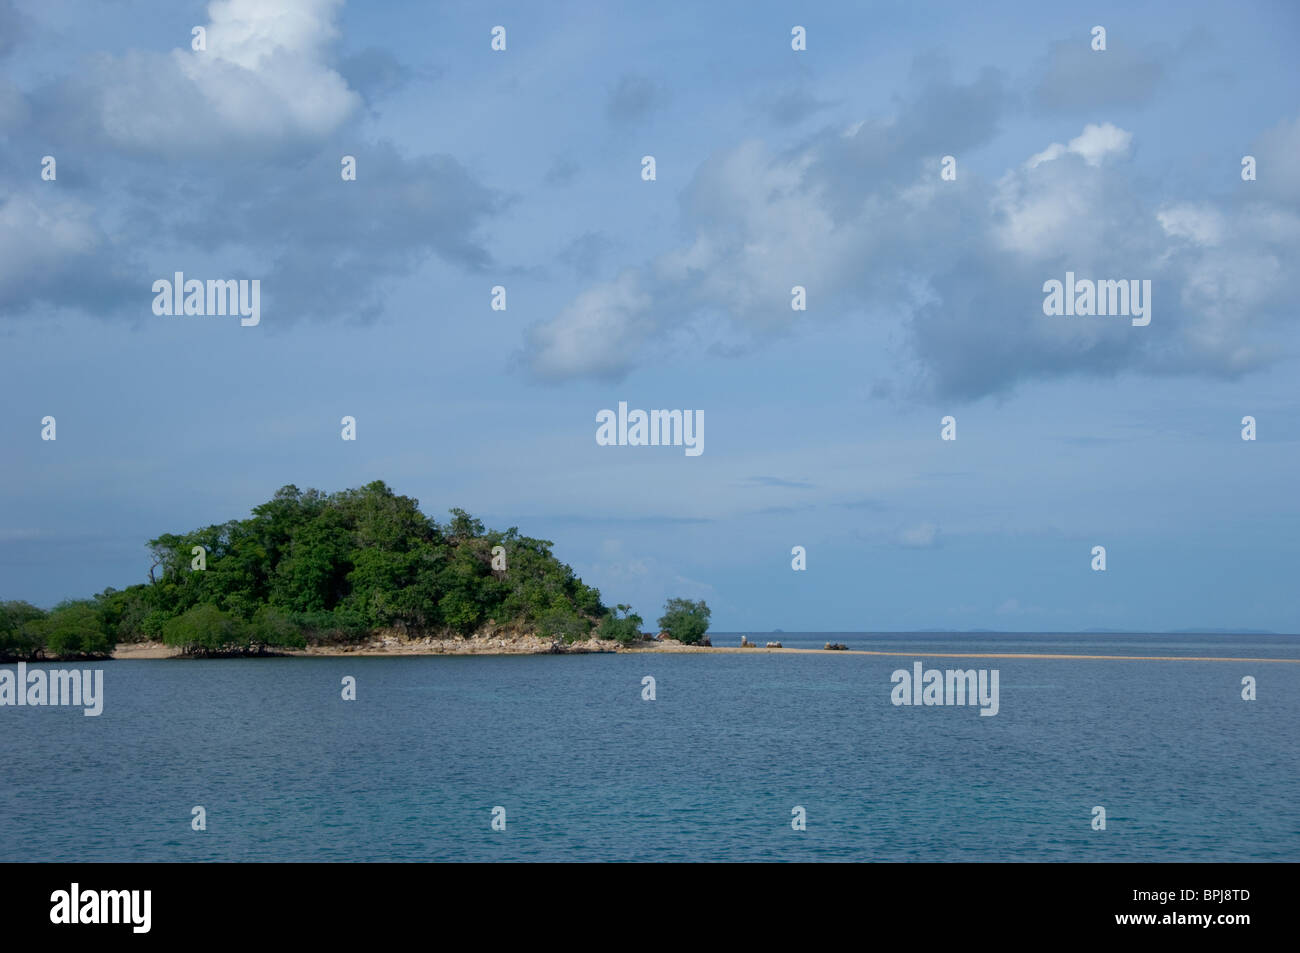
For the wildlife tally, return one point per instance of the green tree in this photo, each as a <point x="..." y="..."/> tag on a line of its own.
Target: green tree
<point x="625" y="629"/>
<point x="75" y="628"/>
<point x="684" y="620"/>
<point x="463" y="526"/>
<point x="273" y="628"/>
<point x="340" y="565"/>
<point x="20" y="637"/>
<point x="124" y="613"/>
<point x="205" y="629"/>
<point x="561" y="622"/>
<point x="312" y="572"/>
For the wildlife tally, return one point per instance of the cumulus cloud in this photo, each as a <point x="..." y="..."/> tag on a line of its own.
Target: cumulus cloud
<point x="594" y="335"/>
<point x="263" y="100"/>
<point x="53" y="252"/>
<point x="261" y="83"/>
<point x="1198" y="223"/>
<point x="860" y="217"/>
<point x="322" y="248"/>
<point x="1095" y="144"/>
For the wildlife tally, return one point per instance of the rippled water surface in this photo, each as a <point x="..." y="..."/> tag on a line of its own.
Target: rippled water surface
<point x="710" y="770"/>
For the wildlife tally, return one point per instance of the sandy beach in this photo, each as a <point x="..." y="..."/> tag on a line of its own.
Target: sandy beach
<point x="532" y="645"/>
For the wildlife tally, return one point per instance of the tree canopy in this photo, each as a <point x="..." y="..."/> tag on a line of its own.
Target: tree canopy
<point x="312" y="566"/>
<point x="72" y="629"/>
<point x="685" y="620"/>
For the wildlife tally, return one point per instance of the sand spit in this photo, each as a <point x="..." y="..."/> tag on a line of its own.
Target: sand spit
<point x="533" y="645"/>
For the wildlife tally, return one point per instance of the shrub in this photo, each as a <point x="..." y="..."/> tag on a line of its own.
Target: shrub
<point x="560" y="622"/>
<point x="19" y="630"/>
<point x="204" y="629"/>
<point x="271" y="627"/>
<point x="75" y="628"/>
<point x="684" y="620"/>
<point x="625" y="629"/>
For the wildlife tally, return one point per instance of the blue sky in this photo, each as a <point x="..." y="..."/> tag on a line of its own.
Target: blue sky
<point x="820" y="168"/>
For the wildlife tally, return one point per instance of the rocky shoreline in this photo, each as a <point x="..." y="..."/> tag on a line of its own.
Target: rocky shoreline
<point x="489" y="644"/>
<point x="496" y="644"/>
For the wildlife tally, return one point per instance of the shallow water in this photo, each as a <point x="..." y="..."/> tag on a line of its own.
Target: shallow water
<point x="710" y="770"/>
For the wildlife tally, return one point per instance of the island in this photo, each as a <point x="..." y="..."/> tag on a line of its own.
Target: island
<point x="358" y="571"/>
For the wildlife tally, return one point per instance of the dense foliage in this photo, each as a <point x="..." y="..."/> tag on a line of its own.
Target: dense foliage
<point x="309" y="566"/>
<point x="685" y="620"/>
<point x="622" y="625"/>
<point x="69" y="630"/>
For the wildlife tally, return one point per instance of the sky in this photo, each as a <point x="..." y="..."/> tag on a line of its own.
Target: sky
<point x="522" y="168"/>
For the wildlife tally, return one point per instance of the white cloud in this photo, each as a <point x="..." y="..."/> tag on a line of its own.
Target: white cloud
<point x="1051" y="153"/>
<point x="1198" y="224"/>
<point x="1093" y="145"/>
<point x="39" y="236"/>
<point x="1096" y="143"/>
<point x="1042" y="212"/>
<point x="596" y="334"/>
<point x="262" y="80"/>
<point x="842" y="217"/>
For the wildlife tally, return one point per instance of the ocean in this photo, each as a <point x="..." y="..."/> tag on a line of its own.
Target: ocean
<point x="715" y="768"/>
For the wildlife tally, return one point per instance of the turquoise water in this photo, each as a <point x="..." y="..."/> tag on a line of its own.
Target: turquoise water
<point x="710" y="770"/>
